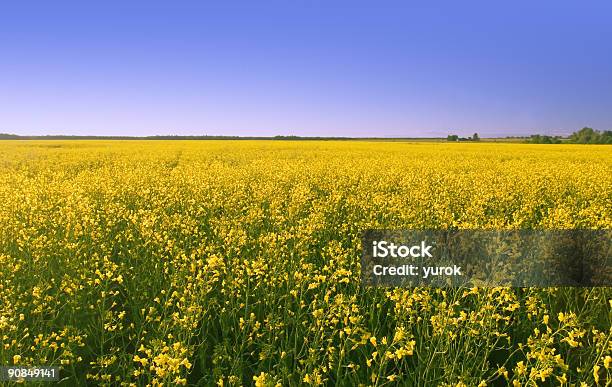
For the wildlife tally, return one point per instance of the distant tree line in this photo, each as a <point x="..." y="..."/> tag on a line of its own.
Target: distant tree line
<point x="6" y="136"/>
<point x="590" y="136"/>
<point x="540" y="139"/>
<point x="583" y="136"/>
<point x="454" y="137"/>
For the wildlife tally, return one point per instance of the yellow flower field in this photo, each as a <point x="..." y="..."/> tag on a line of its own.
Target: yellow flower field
<point x="238" y="263"/>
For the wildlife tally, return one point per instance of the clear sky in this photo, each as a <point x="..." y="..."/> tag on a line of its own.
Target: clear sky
<point x="318" y="68"/>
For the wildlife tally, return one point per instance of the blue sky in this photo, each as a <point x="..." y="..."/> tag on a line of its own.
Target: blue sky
<point x="331" y="68"/>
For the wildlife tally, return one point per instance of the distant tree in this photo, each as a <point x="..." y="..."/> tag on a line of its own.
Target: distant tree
<point x="452" y="137"/>
<point x="535" y="139"/>
<point x="539" y="139"/>
<point x="475" y="137"/>
<point x="606" y="137"/>
<point x="585" y="135"/>
<point x="588" y="135"/>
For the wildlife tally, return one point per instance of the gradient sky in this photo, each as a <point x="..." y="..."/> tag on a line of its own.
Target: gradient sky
<point x="331" y="68"/>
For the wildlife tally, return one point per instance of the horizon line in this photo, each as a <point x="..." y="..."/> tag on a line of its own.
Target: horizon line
<point x="7" y="136"/>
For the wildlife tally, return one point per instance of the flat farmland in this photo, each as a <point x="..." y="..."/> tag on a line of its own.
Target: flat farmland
<point x="238" y="262"/>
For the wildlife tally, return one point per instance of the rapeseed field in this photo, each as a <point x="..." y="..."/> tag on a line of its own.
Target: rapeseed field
<point x="238" y="263"/>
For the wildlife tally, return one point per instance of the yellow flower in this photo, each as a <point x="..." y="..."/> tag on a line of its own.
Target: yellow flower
<point x="607" y="361"/>
<point x="596" y="373"/>
<point x="520" y="368"/>
<point x="562" y="379"/>
<point x="260" y="380"/>
<point x="141" y="360"/>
